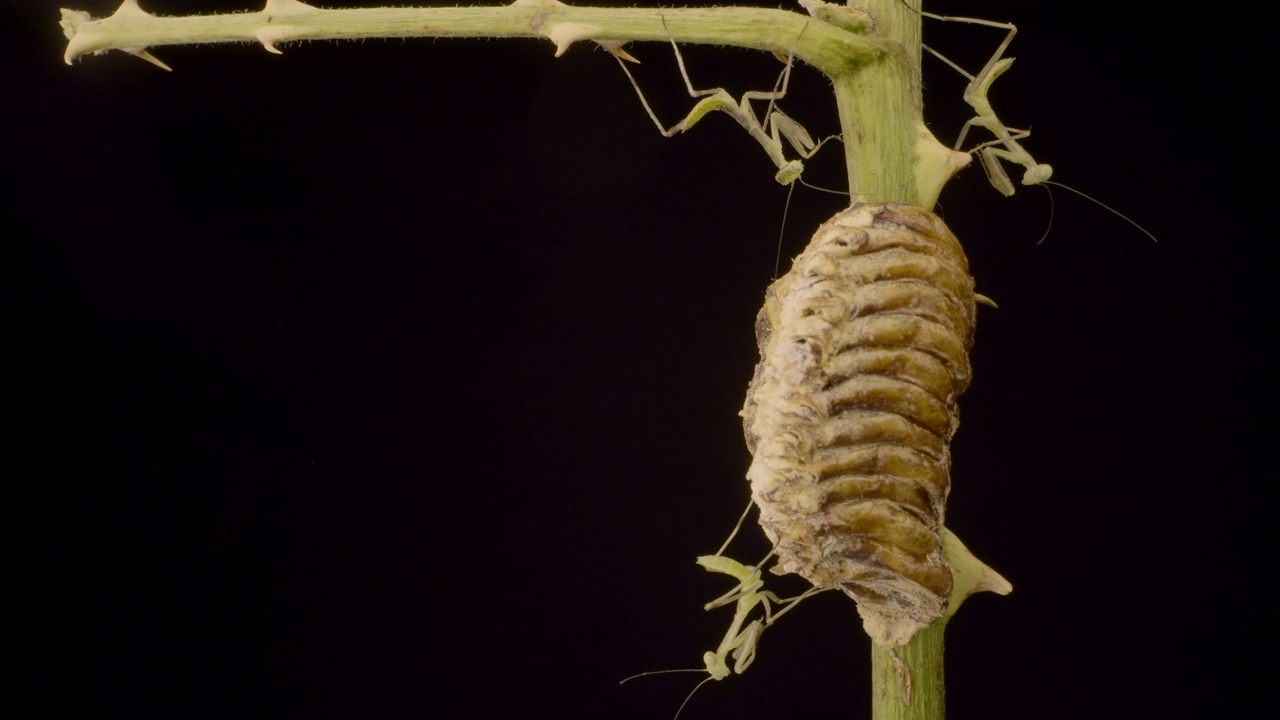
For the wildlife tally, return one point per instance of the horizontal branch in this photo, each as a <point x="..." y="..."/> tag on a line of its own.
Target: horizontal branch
<point x="830" y="49"/>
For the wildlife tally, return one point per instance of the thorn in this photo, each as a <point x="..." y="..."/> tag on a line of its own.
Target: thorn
<point x="970" y="575"/>
<point x="984" y="300"/>
<point x="273" y="34"/>
<point x="566" y="34"/>
<point x="287" y="7"/>
<point x="142" y="53"/>
<point x="130" y="7"/>
<point x="268" y="42"/>
<point x="615" y="48"/>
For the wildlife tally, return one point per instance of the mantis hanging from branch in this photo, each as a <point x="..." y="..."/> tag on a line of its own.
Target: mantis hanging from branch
<point x="1005" y="146"/>
<point x="776" y="126"/>
<point x="748" y="593"/>
<point x="739" y="642"/>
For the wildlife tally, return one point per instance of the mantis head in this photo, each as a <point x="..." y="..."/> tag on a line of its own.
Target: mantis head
<point x="1036" y="174"/>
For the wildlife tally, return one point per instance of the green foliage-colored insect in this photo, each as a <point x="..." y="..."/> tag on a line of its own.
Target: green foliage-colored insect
<point x="738" y="641"/>
<point x="743" y="636"/>
<point x="770" y="133"/>
<point x="1005" y="146"/>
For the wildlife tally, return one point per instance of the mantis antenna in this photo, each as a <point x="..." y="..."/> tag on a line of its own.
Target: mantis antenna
<point x="776" y="126"/>
<point x="975" y="94"/>
<point x="1006" y="146"/>
<point x="739" y="642"/>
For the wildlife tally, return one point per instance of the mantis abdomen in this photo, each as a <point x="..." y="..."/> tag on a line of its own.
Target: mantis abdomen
<point x="864" y="350"/>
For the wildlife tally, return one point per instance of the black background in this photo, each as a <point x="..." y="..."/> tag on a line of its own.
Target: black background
<point x="401" y="379"/>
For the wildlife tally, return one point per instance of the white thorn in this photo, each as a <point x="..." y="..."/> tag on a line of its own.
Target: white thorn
<point x="130" y="7"/>
<point x="969" y="574"/>
<point x="142" y="53"/>
<point x="566" y="34"/>
<point x="273" y="34"/>
<point x="287" y="7"/>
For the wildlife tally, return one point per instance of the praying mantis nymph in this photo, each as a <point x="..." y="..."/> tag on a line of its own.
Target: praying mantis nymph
<point x="746" y="595"/>
<point x="770" y="133"/>
<point x="1005" y="146"/>
<point x="739" y="642"/>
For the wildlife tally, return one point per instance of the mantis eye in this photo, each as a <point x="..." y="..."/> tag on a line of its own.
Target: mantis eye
<point x="716" y="666"/>
<point x="1037" y="174"/>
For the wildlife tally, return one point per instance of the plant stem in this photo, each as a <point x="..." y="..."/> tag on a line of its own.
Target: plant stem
<point x="881" y="115"/>
<point x="830" y="49"/>
<point x="906" y="683"/>
<point x="890" y="155"/>
<point x="879" y="107"/>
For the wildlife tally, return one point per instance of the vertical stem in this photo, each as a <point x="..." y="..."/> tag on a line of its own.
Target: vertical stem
<point x="880" y="112"/>
<point x="907" y="683"/>
<point x="881" y="116"/>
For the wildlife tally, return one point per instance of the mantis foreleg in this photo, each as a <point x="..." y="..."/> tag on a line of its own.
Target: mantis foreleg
<point x="746" y="596"/>
<point x="776" y="126"/>
<point x="1005" y="146"/>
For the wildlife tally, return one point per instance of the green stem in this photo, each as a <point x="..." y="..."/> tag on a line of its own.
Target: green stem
<point x="880" y="108"/>
<point x="906" y="682"/>
<point x="888" y="149"/>
<point x="890" y="156"/>
<point x="830" y="49"/>
<point x="875" y="71"/>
